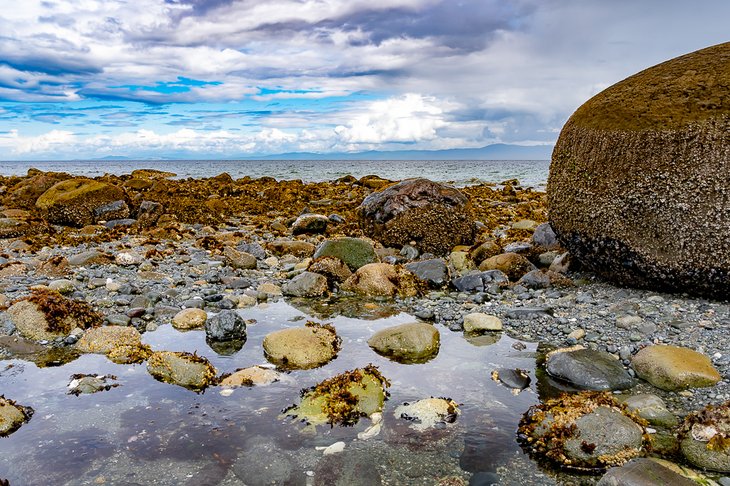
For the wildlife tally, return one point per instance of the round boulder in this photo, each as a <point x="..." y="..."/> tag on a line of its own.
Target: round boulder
<point x="302" y="347"/>
<point x="436" y="216"/>
<point x="184" y="369"/>
<point x="415" y="342"/>
<point x="639" y="186"/>
<point x="674" y="368"/>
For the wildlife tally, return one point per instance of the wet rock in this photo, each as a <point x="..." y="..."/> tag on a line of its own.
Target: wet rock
<point x="26" y="193"/>
<point x="479" y="281"/>
<point x="46" y="315"/>
<point x="516" y="379"/>
<point x="652" y="409"/>
<point x="589" y="369"/>
<point x="87" y="384"/>
<point x="535" y="279"/>
<point x="415" y="342"/>
<point x="311" y="224"/>
<point x="239" y="259"/>
<point x="184" y="369"/>
<point x="302" y="347"/>
<point x="342" y="399"/>
<point x="354" y="252"/>
<point x="253" y="376"/>
<point x="190" y="318"/>
<point x="291" y="247"/>
<point x="383" y="280"/>
<point x="480" y="322"/>
<point x="306" y="284"/>
<point x="12" y="416"/>
<point x="335" y="270"/>
<point x="705" y="438"/>
<point x="544" y="237"/>
<point x="427" y="413"/>
<point x="436" y="216"/>
<point x="674" y="368"/>
<point x="227" y="325"/>
<point x="643" y="472"/>
<point x="78" y="202"/>
<point x="433" y="271"/>
<point x="587" y="430"/>
<point x="511" y="264"/>
<point x="637" y="212"/>
<point x="102" y="340"/>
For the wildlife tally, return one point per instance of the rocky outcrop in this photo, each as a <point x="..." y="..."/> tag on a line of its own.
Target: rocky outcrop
<point x="435" y="216"/>
<point x="81" y="201"/>
<point x="639" y="186"/>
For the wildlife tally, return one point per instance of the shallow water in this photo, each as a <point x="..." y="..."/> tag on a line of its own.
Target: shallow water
<point x="147" y="432"/>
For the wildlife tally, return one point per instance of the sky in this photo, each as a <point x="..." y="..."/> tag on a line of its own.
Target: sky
<point x="239" y="78"/>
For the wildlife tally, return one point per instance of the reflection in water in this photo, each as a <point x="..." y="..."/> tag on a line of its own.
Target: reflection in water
<point x="147" y="432"/>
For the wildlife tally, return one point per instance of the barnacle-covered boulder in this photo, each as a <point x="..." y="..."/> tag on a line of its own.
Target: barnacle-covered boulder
<point x="81" y="201"/>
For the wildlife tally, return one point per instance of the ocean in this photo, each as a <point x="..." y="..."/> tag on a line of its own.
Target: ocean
<point x="531" y="173"/>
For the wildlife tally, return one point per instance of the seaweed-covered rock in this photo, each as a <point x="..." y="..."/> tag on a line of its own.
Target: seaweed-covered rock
<point x="184" y="369"/>
<point x="383" y="280"/>
<point x="639" y="186"/>
<point x="81" y="201"/>
<point x="674" y="368"/>
<point x="586" y="431"/>
<point x="302" y="347"/>
<point x="354" y="252"/>
<point x="24" y="194"/>
<point x="342" y="399"/>
<point x="705" y="438"/>
<point x="415" y="342"/>
<point x="102" y="340"/>
<point x="46" y="315"/>
<point x="252" y="376"/>
<point x="436" y="216"/>
<point x="428" y="412"/>
<point x="12" y="416"/>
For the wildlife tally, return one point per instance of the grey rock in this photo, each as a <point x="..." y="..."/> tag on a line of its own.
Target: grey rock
<point x="535" y="280"/>
<point x="588" y="369"/>
<point x="306" y="284"/>
<point x="643" y="472"/>
<point x="544" y="236"/>
<point x="225" y="326"/>
<point x="434" y="271"/>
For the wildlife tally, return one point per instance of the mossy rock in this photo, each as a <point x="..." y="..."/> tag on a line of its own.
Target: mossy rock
<point x="184" y="369"/>
<point x="436" y="216"/>
<point x="74" y="201"/>
<point x="342" y="399"/>
<point x="354" y="252"/>
<point x="102" y="340"/>
<point x="639" y="185"/>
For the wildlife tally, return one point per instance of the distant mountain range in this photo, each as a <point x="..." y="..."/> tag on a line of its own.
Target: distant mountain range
<point x="498" y="151"/>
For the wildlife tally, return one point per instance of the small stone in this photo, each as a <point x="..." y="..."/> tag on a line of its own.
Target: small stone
<point x="191" y="318"/>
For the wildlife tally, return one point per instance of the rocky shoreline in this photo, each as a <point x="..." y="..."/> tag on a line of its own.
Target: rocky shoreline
<point x="143" y="250"/>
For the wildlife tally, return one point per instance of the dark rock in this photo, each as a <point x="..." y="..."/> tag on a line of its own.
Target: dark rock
<point x="434" y="271"/>
<point x="115" y="223"/>
<point x="649" y="208"/>
<point x="588" y="369"/>
<point x="535" y="280"/>
<point x="148" y="214"/>
<point x="306" y="284"/>
<point x="253" y="249"/>
<point x="476" y="281"/>
<point x="111" y="211"/>
<point x="643" y="472"/>
<point x="225" y="326"/>
<point x="436" y="216"/>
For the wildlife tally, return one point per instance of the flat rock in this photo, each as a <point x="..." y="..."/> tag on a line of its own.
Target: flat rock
<point x="674" y="368"/>
<point x="239" y="259"/>
<point x="414" y="342"/>
<point x="589" y="369"/>
<point x="291" y="247"/>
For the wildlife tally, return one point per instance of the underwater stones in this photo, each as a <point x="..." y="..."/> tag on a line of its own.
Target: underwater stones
<point x="291" y="247"/>
<point x="302" y="347"/>
<point x="78" y="202"/>
<point x="674" y="368"/>
<point x="436" y="216"/>
<point x="252" y="376"/>
<point x="190" y="318"/>
<point x="239" y="259"/>
<point x="480" y="322"/>
<point x="342" y="399"/>
<point x="415" y="342"/>
<point x="643" y="472"/>
<point x="648" y="209"/>
<point x="179" y="368"/>
<point x="102" y="340"/>
<point x="382" y="280"/>
<point x="354" y="252"/>
<point x="705" y="438"/>
<point x="428" y="412"/>
<point x="310" y="224"/>
<point x="513" y="265"/>
<point x="81" y="384"/>
<point x="306" y="284"/>
<point x="587" y="430"/>
<point x="516" y="379"/>
<point x="12" y="416"/>
<point x="227" y="325"/>
<point x="46" y="315"/>
<point x="589" y="369"/>
<point x="434" y="271"/>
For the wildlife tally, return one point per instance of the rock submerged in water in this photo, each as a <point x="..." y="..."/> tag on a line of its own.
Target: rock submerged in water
<point x="584" y="431"/>
<point x="436" y="216"/>
<point x="12" y="416"/>
<point x="302" y="347"/>
<point x="588" y="369"/>
<point x="415" y="342"/>
<point x="342" y="399"/>
<point x="674" y="368"/>
<point x="184" y="369"/>
<point x="428" y="412"/>
<point x="649" y="208"/>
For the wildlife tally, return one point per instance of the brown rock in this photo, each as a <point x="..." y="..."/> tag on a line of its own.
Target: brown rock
<point x="101" y="340"/>
<point x="513" y="265"/>
<point x="189" y="319"/>
<point x="302" y="347"/>
<point x="674" y="368"/>
<point x="384" y="280"/>
<point x="291" y="247"/>
<point x="80" y="202"/>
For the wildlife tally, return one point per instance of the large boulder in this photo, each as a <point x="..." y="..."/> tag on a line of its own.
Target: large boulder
<point x="81" y="201"/>
<point x="437" y="217"/>
<point x="589" y="369"/>
<point x="302" y="347"/>
<point x="415" y="342"/>
<point x="674" y="368"/>
<point x="639" y="186"/>
<point x="354" y="252"/>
